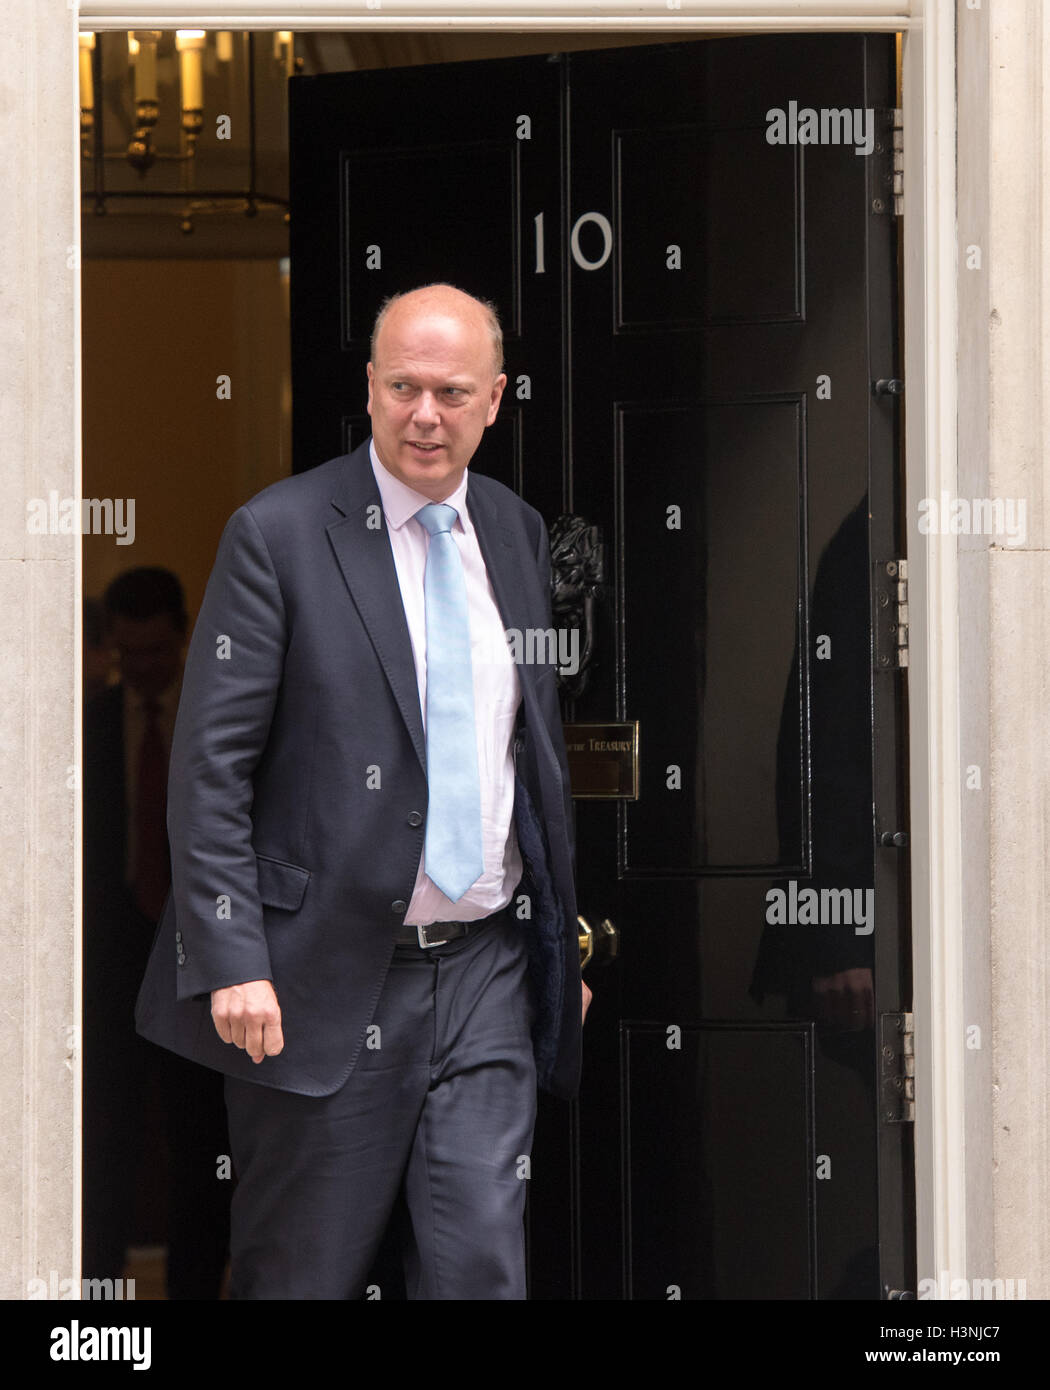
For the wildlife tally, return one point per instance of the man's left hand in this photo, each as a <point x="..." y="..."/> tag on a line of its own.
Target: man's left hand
<point x="587" y="996"/>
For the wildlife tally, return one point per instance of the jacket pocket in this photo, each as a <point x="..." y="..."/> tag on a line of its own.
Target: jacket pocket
<point x="281" y="885"/>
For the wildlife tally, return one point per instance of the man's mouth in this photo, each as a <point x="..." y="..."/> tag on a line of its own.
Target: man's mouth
<point x="424" y="447"/>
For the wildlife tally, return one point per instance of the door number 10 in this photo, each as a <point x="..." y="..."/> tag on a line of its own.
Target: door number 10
<point x="601" y="222"/>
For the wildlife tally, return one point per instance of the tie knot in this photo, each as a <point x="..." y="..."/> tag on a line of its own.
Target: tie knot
<point x="436" y="517"/>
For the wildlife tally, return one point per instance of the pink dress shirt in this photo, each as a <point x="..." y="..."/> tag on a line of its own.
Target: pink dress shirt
<point x="497" y="694"/>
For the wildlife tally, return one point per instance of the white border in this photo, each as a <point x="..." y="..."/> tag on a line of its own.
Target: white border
<point x="689" y="16"/>
<point x="930" y="326"/>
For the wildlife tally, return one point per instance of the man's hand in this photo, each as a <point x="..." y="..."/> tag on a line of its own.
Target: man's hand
<point x="249" y="1016"/>
<point x="587" y="996"/>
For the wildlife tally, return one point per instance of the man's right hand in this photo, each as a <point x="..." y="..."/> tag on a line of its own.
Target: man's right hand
<point x="249" y="1016"/>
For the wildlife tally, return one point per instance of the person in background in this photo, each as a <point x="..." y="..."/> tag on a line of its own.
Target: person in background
<point x="134" y="1092"/>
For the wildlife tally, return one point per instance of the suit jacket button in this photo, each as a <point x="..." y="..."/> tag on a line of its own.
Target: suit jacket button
<point x="414" y="818"/>
<point x="182" y="958"/>
<point x="399" y="906"/>
<point x="178" y="936"/>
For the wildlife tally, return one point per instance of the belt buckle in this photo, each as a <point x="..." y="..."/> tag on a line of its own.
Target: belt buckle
<point x="421" y="933"/>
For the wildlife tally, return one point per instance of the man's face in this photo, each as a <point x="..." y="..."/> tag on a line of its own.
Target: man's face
<point x="148" y="651"/>
<point x="431" y="392"/>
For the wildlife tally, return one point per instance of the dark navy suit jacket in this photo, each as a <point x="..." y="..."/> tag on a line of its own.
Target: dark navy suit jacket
<point x="299" y="688"/>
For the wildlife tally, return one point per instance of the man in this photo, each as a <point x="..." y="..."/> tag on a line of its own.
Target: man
<point x="133" y="1090"/>
<point x="372" y="924"/>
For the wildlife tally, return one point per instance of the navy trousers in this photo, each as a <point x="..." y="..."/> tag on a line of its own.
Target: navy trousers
<point x="439" y="1109"/>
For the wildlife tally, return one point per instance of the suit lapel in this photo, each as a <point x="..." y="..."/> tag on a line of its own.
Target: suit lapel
<point x="505" y="565"/>
<point x="367" y="563"/>
<point x="508" y="564"/>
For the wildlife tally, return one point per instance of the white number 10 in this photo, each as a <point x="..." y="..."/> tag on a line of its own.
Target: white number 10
<point x="574" y="241"/>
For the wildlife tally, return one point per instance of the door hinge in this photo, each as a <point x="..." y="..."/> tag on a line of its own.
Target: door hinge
<point x="890" y="587"/>
<point x="886" y="194"/>
<point x="896" y="1068"/>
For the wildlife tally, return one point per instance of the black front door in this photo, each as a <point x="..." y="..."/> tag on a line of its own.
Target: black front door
<point x="695" y="317"/>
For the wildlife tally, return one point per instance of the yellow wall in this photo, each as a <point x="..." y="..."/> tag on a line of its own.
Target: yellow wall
<point x="156" y="335"/>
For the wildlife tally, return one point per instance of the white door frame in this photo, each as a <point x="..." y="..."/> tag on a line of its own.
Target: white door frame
<point x="930" y="369"/>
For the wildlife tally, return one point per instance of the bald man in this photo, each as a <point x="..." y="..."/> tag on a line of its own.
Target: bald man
<point x="372" y="923"/>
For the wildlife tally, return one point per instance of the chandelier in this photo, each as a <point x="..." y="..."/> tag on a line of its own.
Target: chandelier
<point x="186" y="107"/>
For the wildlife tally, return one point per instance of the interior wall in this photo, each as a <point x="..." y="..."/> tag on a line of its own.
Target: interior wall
<point x="157" y="337"/>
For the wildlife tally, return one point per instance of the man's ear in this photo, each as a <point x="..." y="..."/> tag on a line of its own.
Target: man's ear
<point x="371" y="378"/>
<point x="497" y="396"/>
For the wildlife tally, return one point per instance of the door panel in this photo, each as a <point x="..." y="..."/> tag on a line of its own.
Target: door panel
<point x="728" y="489"/>
<point x="744" y="177"/>
<point x="435" y="183"/>
<point x="743" y="621"/>
<point x="704" y="1207"/>
<point x="694" y="320"/>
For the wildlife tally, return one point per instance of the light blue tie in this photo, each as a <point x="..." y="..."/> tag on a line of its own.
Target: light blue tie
<point x="453" y="857"/>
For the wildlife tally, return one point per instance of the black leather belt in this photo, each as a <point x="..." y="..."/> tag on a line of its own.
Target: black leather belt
<point x="438" y="933"/>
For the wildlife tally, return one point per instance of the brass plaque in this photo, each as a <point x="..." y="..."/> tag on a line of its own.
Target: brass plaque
<point x="603" y="760"/>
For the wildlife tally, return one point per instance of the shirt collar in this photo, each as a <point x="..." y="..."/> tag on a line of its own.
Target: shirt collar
<point x="401" y="502"/>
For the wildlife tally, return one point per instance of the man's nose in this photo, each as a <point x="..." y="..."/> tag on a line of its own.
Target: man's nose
<point x="426" y="411"/>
